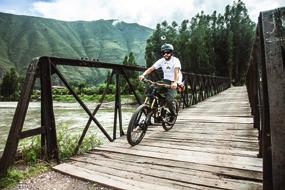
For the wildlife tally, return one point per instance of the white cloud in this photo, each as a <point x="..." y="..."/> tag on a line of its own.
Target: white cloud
<point x="256" y="6"/>
<point x="144" y="12"/>
<point x="17" y="6"/>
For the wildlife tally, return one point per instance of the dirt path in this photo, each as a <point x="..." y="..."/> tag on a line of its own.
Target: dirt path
<point x="52" y="180"/>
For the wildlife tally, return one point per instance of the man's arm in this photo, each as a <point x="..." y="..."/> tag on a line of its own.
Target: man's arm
<point x="176" y="77"/>
<point x="146" y="72"/>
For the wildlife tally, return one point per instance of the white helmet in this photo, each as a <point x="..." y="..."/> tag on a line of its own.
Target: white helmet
<point x="167" y="47"/>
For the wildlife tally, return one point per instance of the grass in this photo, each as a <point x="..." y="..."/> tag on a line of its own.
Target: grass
<point x="70" y="98"/>
<point x="20" y="172"/>
<point x="93" y="98"/>
<point x="30" y="164"/>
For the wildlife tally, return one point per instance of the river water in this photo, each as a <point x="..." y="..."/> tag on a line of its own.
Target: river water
<point x="70" y="114"/>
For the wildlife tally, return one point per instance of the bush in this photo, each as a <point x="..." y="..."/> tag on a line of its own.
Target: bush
<point x="10" y="86"/>
<point x="31" y="148"/>
<point x="136" y="84"/>
<point x="67" y="143"/>
<point x="89" y="91"/>
<point x="101" y="88"/>
<point x="63" y="98"/>
<point x="60" y="91"/>
<point x="31" y="152"/>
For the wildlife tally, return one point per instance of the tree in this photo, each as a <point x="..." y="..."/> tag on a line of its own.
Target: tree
<point x="131" y="61"/>
<point x="153" y="44"/>
<point x="209" y="44"/>
<point x="240" y="31"/>
<point x="183" y="43"/>
<point x="132" y="75"/>
<point x="9" y="86"/>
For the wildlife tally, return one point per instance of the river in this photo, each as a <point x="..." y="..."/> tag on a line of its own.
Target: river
<point x="70" y="114"/>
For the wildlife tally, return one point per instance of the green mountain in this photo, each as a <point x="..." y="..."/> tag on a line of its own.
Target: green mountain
<point x="24" y="37"/>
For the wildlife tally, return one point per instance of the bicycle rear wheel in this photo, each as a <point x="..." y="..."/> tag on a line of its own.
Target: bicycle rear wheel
<point x="169" y="120"/>
<point x="138" y="125"/>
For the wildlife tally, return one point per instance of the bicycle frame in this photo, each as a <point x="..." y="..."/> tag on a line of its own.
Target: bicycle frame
<point x="156" y="102"/>
<point x="154" y="107"/>
<point x="153" y="100"/>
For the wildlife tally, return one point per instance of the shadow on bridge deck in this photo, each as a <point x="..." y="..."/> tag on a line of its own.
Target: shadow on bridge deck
<point x="212" y="145"/>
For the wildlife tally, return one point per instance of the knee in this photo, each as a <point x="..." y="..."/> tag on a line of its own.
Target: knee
<point x="169" y="98"/>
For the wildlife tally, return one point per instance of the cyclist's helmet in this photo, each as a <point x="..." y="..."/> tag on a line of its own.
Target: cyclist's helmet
<point x="167" y="47"/>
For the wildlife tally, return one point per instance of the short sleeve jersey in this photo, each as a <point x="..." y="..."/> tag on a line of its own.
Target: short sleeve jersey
<point x="168" y="67"/>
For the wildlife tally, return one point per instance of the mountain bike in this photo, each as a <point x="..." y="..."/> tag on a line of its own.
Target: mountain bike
<point x="154" y="110"/>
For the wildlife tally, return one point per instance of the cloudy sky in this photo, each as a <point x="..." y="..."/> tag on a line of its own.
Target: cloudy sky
<point x="144" y="12"/>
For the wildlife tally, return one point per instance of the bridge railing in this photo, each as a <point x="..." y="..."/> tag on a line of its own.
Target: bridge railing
<point x="266" y="90"/>
<point x="197" y="88"/>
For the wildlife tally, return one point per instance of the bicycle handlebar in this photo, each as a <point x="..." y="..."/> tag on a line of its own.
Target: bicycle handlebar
<point x="156" y="83"/>
<point x="180" y="87"/>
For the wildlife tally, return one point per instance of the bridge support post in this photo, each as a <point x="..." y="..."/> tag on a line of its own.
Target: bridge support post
<point x="10" y="150"/>
<point x="47" y="114"/>
<point x="118" y="110"/>
<point x="273" y="35"/>
<point x="266" y="88"/>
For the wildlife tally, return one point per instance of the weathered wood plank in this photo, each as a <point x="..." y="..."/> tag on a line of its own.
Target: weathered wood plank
<point x="192" y="147"/>
<point x="99" y="177"/>
<point x="197" y="157"/>
<point x="219" y="171"/>
<point x="224" y="137"/>
<point x="244" y="145"/>
<point x="214" y="128"/>
<point x="185" y="177"/>
<point x="218" y="119"/>
<point x="202" y="151"/>
<point x="123" y="180"/>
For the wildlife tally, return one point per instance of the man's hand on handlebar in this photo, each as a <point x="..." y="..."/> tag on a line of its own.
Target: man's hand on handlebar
<point x="141" y="77"/>
<point x="173" y="85"/>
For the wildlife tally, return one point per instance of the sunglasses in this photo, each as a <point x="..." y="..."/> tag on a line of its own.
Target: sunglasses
<point x="166" y="52"/>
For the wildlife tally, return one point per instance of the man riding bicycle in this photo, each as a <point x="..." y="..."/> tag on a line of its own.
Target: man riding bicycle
<point x="171" y="68"/>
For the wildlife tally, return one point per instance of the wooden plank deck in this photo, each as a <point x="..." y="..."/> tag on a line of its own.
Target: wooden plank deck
<point x="213" y="145"/>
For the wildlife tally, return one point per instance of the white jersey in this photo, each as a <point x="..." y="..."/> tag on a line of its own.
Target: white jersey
<point x="168" y="67"/>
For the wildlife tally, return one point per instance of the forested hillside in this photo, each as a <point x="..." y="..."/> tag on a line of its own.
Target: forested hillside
<point x="23" y="38"/>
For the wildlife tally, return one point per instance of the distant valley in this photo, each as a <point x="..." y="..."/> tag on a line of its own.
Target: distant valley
<point x="24" y="37"/>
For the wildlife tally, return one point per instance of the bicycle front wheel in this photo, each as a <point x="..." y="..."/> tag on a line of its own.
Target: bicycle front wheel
<point x="169" y="120"/>
<point x="138" y="125"/>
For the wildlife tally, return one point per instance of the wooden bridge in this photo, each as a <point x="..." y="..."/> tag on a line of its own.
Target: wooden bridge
<point x="213" y="145"/>
<point x="231" y="140"/>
